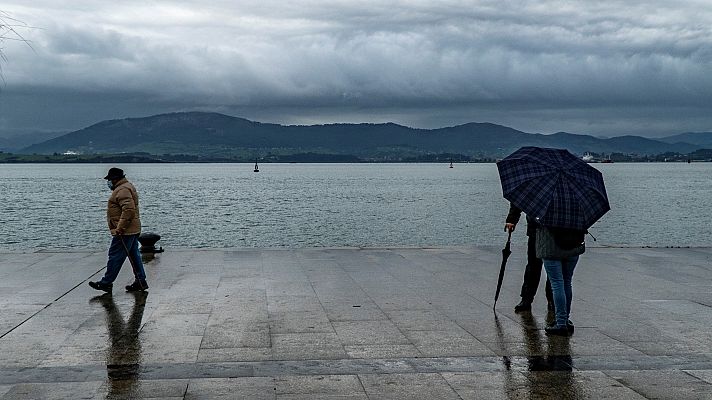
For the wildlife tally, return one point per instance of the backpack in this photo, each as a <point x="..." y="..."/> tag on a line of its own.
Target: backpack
<point x="548" y="247"/>
<point x="567" y="238"/>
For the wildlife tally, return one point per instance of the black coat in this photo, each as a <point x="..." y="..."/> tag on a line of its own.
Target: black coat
<point x="514" y="215"/>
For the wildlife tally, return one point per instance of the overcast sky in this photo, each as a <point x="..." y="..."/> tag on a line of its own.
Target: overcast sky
<point x="596" y="67"/>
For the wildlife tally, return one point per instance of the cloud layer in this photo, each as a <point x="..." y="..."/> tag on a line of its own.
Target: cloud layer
<point x="609" y="67"/>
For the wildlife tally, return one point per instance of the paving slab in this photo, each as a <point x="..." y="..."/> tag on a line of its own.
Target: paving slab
<point x="353" y="323"/>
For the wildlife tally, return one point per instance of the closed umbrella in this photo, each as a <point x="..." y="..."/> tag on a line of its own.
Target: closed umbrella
<point x="505" y="255"/>
<point x="554" y="186"/>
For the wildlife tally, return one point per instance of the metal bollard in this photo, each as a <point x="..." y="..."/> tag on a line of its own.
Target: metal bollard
<point x="148" y="242"/>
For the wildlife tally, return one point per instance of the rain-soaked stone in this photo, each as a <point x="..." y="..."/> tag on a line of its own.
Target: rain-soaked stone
<point x="353" y="324"/>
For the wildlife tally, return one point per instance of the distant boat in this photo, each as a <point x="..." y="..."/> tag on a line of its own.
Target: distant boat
<point x="451" y="164"/>
<point x="587" y="157"/>
<point x="257" y="169"/>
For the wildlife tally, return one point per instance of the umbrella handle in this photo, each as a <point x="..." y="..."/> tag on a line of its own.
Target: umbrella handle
<point x="509" y="237"/>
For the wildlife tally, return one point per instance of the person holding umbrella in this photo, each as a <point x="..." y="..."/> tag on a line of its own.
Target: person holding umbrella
<point x="122" y="216"/>
<point x="532" y="271"/>
<point x="565" y="196"/>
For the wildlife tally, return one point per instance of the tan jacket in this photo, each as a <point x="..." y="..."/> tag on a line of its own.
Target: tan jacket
<point x="122" y="209"/>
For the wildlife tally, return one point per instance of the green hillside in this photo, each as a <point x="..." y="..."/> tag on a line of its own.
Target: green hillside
<point x="219" y="135"/>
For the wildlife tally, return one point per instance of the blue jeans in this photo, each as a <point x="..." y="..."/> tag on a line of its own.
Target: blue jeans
<point x="560" y="273"/>
<point x="117" y="256"/>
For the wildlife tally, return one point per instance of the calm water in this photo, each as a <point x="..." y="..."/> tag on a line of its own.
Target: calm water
<point x="303" y="205"/>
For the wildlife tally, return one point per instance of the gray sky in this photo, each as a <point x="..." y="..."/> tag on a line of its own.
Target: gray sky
<point x="596" y="67"/>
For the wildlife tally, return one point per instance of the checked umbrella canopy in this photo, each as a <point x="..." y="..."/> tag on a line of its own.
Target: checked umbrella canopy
<point x="554" y="186"/>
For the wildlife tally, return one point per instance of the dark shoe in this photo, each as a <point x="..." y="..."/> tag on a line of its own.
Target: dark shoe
<point x="107" y="287"/>
<point x="570" y="327"/>
<point x="557" y="330"/>
<point x="138" y="285"/>
<point x="523" y="306"/>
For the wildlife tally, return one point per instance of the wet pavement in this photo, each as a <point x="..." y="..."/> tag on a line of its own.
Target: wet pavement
<point x="348" y="323"/>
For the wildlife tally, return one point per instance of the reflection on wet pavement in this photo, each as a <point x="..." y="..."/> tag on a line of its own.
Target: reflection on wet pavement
<point x="543" y="354"/>
<point x="352" y="324"/>
<point x="123" y="356"/>
<point x="556" y="357"/>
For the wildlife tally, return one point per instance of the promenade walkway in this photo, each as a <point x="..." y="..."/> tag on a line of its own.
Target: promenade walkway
<point x="410" y="323"/>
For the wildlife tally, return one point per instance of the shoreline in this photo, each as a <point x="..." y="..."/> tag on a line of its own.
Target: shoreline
<point x="217" y="161"/>
<point x="362" y="248"/>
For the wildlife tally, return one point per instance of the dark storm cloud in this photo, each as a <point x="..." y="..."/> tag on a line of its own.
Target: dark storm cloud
<point x="539" y="66"/>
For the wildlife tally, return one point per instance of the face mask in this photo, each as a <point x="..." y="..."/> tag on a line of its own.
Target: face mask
<point x="110" y="185"/>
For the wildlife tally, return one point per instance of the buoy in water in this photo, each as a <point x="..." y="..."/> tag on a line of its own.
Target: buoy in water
<point x="256" y="168"/>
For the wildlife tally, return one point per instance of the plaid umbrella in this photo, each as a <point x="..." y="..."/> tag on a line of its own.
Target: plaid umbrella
<point x="553" y="186"/>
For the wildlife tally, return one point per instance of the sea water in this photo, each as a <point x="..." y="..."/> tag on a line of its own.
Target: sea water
<point x="62" y="206"/>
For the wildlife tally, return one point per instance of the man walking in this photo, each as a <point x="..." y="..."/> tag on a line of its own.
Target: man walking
<point x="532" y="272"/>
<point x="122" y="216"/>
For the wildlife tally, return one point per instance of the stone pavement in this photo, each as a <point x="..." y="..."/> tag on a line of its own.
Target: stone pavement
<point x="353" y="324"/>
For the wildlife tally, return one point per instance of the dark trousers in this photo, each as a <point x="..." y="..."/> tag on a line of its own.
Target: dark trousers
<point x="532" y="274"/>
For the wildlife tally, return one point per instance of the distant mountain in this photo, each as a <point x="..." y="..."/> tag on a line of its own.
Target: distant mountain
<point x="703" y="139"/>
<point x="619" y="144"/>
<point x="19" y="139"/>
<point x="212" y="134"/>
